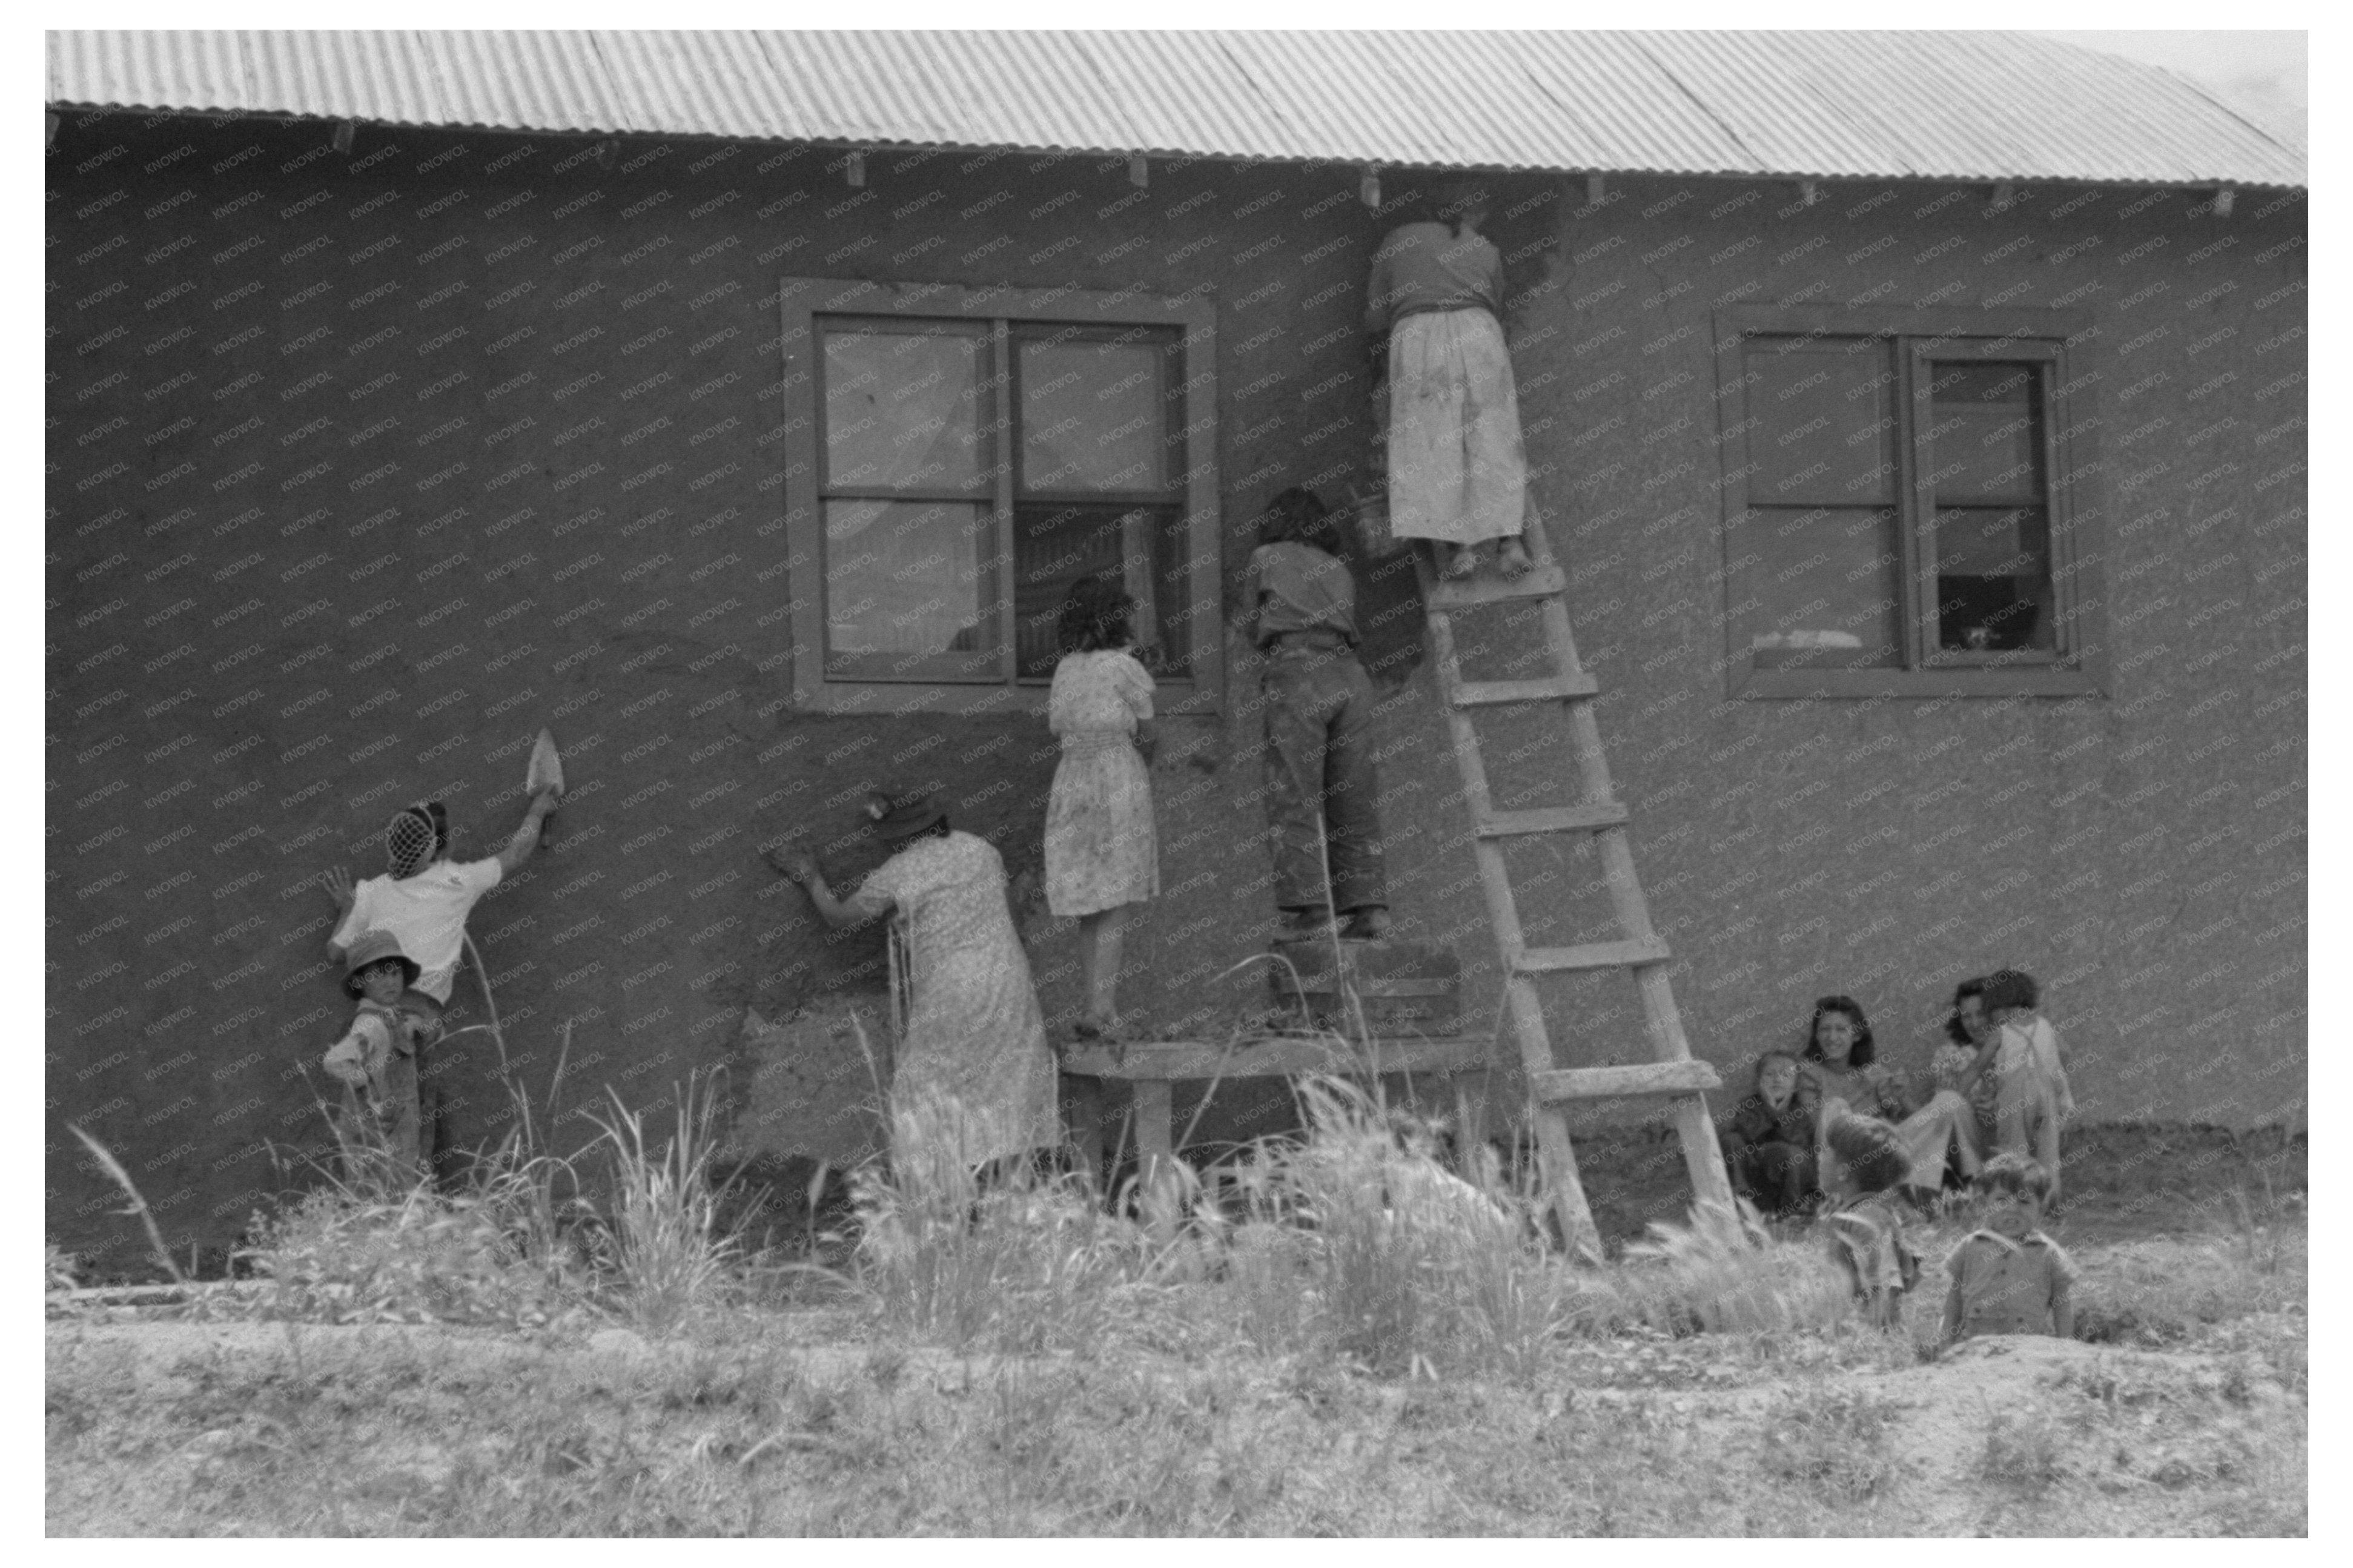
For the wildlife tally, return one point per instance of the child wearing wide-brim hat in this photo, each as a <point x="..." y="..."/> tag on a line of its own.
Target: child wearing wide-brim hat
<point x="380" y="1057"/>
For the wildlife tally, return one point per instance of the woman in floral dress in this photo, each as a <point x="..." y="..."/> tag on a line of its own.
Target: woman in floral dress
<point x="1101" y="855"/>
<point x="973" y="1057"/>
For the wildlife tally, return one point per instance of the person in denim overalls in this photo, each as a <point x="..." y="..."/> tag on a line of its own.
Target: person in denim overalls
<point x="1322" y="799"/>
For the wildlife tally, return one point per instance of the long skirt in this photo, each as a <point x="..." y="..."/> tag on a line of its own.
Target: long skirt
<point x="1457" y="470"/>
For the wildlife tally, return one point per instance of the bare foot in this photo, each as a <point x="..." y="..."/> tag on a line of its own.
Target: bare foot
<point x="1512" y="557"/>
<point x="1461" y="563"/>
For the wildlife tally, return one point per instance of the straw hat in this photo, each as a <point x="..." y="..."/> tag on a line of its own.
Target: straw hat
<point x="901" y="816"/>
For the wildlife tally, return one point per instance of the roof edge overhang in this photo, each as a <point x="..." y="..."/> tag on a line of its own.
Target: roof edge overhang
<point x="1182" y="154"/>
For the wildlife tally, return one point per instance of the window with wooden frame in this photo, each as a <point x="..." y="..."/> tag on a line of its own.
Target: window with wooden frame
<point x="960" y="456"/>
<point x="1904" y="511"/>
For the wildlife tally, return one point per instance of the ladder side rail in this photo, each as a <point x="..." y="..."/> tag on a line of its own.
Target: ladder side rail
<point x="1702" y="1156"/>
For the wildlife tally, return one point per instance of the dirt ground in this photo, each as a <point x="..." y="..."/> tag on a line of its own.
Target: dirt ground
<point x="188" y="1428"/>
<point x="2182" y="1408"/>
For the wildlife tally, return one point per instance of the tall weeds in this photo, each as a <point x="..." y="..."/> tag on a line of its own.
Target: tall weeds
<point x="670" y="1253"/>
<point x="1023" y="1262"/>
<point x="1723" y="1273"/>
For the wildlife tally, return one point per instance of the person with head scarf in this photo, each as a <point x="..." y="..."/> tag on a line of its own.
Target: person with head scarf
<point x="974" y="1072"/>
<point x="424" y="896"/>
<point x="1457" y="468"/>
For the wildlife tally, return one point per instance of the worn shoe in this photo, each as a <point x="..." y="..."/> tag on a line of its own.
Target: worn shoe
<point x="1305" y="922"/>
<point x="1511" y="558"/>
<point x="1368" y="923"/>
<point x="1461" y="563"/>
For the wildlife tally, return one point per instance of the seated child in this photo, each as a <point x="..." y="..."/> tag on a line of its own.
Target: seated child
<point x="1862" y="1166"/>
<point x="378" y="1058"/>
<point x="2008" y="1277"/>
<point x="1768" y="1146"/>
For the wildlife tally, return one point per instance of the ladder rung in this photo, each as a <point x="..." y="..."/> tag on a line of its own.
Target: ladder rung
<point x="1592" y="955"/>
<point x="1611" y="1083"/>
<point x="1546" y="689"/>
<point x="1460" y="594"/>
<point x="1552" y="819"/>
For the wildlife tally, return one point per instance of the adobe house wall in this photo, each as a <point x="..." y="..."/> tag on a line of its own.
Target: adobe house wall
<point x="375" y="611"/>
<point x="2142" y="853"/>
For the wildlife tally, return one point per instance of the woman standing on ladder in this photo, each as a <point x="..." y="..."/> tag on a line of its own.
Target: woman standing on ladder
<point x="1457" y="471"/>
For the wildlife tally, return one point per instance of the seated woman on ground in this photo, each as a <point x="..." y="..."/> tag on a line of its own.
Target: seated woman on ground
<point x="1841" y="1067"/>
<point x="1967" y="1031"/>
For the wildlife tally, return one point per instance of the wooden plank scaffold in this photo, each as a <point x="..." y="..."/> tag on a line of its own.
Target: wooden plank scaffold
<point x="1672" y="1073"/>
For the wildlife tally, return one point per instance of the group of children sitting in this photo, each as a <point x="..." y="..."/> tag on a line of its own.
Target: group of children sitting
<point x="1828" y="1133"/>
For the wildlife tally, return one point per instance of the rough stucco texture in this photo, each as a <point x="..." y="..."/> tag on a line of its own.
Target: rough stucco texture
<point x="346" y="499"/>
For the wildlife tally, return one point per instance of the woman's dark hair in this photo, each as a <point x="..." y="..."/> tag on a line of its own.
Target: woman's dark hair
<point x="2011" y="988"/>
<point x="1098" y="614"/>
<point x="1862" y="1054"/>
<point x="1299" y="516"/>
<point x="1955" y="1031"/>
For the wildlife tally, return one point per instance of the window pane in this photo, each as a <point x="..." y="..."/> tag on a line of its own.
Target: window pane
<point x="1993" y="580"/>
<point x="1817" y="588"/>
<point x="1091" y="417"/>
<point x="1984" y="441"/>
<point x="1821" y="425"/>
<point x="1054" y="546"/>
<point x="905" y="577"/>
<point x="903" y="410"/>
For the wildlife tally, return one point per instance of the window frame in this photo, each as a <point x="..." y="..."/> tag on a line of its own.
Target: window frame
<point x="1004" y="313"/>
<point x="2062" y="341"/>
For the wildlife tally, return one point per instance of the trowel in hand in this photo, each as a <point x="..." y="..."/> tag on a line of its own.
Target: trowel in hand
<point x="545" y="772"/>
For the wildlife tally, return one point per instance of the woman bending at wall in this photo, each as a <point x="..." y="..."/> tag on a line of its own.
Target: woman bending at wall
<point x="973" y="1058"/>
<point x="1457" y="471"/>
<point x="1841" y="1069"/>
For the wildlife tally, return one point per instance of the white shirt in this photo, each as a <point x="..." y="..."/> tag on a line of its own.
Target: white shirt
<point x="426" y="912"/>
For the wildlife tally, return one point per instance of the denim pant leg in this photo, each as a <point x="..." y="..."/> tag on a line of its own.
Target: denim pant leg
<point x="1295" y="739"/>
<point x="1351" y="791"/>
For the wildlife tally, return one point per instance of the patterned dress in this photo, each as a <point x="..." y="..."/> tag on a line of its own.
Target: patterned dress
<point x="975" y="1034"/>
<point x="1100" y="849"/>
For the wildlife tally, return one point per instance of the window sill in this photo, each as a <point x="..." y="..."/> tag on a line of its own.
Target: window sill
<point x="1172" y="699"/>
<point x="1806" y="685"/>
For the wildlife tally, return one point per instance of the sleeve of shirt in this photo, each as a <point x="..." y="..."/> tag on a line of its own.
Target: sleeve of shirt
<point x="878" y="893"/>
<point x="1492" y="282"/>
<point x="2064" y="1270"/>
<point x="1136" y="687"/>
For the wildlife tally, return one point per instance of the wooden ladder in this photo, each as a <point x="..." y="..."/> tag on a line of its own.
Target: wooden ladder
<point x="1671" y="1072"/>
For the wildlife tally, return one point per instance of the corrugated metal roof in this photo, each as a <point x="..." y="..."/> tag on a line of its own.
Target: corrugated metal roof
<point x="1933" y="105"/>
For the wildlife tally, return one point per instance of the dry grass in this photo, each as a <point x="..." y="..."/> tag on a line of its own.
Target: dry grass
<point x="1340" y="1335"/>
<point x="671" y="1255"/>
